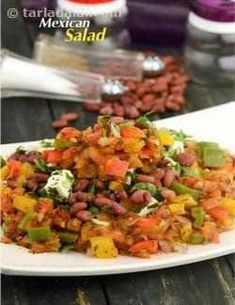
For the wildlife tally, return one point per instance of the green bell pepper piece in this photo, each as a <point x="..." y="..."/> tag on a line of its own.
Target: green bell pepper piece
<point x="67" y="237"/>
<point x="199" y="215"/>
<point x="183" y="189"/>
<point x="63" y="144"/>
<point x="24" y="221"/>
<point x="39" y="234"/>
<point x="67" y="248"/>
<point x="4" y="228"/>
<point x="190" y="172"/>
<point x="94" y="210"/>
<point x="196" y="239"/>
<point x="213" y="157"/>
<point x="2" y="162"/>
<point x="211" y="154"/>
<point x="147" y="187"/>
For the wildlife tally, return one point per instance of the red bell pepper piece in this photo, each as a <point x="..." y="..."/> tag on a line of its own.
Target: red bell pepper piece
<point x="116" y="167"/>
<point x="150" y="246"/>
<point x="132" y="132"/>
<point x="219" y="213"/>
<point x="14" y="168"/>
<point x="52" y="156"/>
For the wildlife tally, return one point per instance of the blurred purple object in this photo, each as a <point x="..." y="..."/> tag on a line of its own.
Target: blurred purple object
<point x="215" y="10"/>
<point x="158" y="22"/>
<point x="38" y="4"/>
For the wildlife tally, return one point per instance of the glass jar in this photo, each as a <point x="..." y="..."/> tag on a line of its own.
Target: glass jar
<point x="210" y="41"/>
<point x="96" y="16"/>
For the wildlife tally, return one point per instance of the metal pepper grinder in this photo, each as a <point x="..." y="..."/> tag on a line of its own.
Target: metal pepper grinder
<point x="119" y="64"/>
<point x="22" y="76"/>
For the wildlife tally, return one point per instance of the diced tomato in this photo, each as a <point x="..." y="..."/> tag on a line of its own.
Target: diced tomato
<point x="146" y="224"/>
<point x="219" y="213"/>
<point x="116" y="167"/>
<point x="210" y="233"/>
<point x="93" y="137"/>
<point x="147" y="152"/>
<point x="44" y="205"/>
<point x="52" y="156"/>
<point x="70" y="152"/>
<point x="132" y="132"/>
<point x="14" y="168"/>
<point x="69" y="133"/>
<point x="210" y="203"/>
<point x="151" y="246"/>
<point x="7" y="206"/>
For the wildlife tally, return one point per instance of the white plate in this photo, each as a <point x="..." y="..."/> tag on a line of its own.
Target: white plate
<point x="217" y="124"/>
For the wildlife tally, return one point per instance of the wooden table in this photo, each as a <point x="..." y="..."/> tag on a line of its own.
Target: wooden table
<point x="207" y="283"/>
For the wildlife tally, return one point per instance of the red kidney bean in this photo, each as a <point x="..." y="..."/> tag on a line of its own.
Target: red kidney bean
<point x="159" y="173"/>
<point x="84" y="216"/>
<point x="141" y="196"/>
<point x="23" y="158"/>
<point x="73" y="197"/>
<point x="126" y="100"/>
<point x="86" y="197"/>
<point x="103" y="201"/>
<point x="131" y="85"/>
<point x="148" y="98"/>
<point x="100" y="185"/>
<point x="121" y="195"/>
<point x="168" y="194"/>
<point x="172" y="106"/>
<point x="160" y="86"/>
<point x="106" y="110"/>
<point x="186" y="159"/>
<point x="32" y="185"/>
<point x="118" y="209"/>
<point x="140" y="91"/>
<point x="169" y="177"/>
<point x="159" y="105"/>
<point x="132" y="112"/>
<point x="70" y="116"/>
<point x="164" y="246"/>
<point x="145" y="178"/>
<point x="59" y="124"/>
<point x="157" y="183"/>
<point x="40" y="177"/>
<point x="78" y="206"/>
<point x="81" y="185"/>
<point x="159" y="94"/>
<point x="118" y="109"/>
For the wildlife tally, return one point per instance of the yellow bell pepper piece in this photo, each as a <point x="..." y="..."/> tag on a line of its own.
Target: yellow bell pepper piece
<point x="27" y="169"/>
<point x="103" y="247"/>
<point x="26" y="172"/>
<point x="186" y="231"/>
<point x="24" y="204"/>
<point x="165" y="137"/>
<point x="115" y="185"/>
<point x="133" y="146"/>
<point x="177" y="208"/>
<point x="186" y="199"/>
<point x="4" y="171"/>
<point x="229" y="205"/>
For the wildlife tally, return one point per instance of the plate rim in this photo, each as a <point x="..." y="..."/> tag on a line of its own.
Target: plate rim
<point x="141" y="264"/>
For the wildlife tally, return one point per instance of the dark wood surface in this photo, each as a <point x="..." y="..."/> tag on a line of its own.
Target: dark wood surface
<point x="206" y="283"/>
